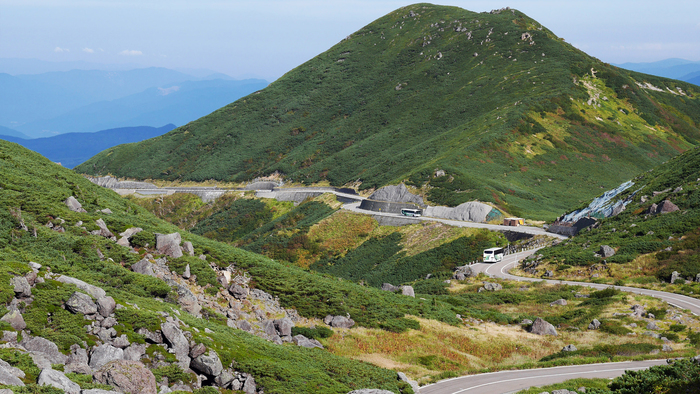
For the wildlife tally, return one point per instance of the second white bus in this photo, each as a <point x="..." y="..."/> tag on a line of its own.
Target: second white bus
<point x="411" y="212"/>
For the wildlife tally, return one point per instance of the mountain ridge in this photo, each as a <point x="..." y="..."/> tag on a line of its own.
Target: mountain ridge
<point x="511" y="113"/>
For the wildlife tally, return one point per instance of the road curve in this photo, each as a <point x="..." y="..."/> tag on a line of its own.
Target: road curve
<point x="511" y="381"/>
<point x="500" y="270"/>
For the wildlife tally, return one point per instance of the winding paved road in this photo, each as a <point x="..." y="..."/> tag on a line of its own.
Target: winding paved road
<point x="513" y="381"/>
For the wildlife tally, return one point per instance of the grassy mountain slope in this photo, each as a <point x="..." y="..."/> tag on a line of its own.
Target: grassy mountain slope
<point x="32" y="191"/>
<point x="71" y="149"/>
<point x="649" y="247"/>
<point x="512" y="113"/>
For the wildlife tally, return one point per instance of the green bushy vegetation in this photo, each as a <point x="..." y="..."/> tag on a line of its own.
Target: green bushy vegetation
<point x="381" y="260"/>
<point x="507" y="119"/>
<point x="607" y="351"/>
<point x="32" y="191"/>
<point x="315" y="333"/>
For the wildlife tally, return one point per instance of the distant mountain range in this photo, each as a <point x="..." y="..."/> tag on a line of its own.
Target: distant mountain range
<point x="46" y="104"/>
<point x="4" y="131"/>
<point x="71" y="149"/>
<point x="682" y="69"/>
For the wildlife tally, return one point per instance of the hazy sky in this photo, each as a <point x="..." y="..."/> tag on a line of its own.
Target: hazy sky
<point x="267" y="38"/>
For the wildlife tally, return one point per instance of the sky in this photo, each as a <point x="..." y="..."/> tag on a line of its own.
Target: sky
<point x="267" y="38"/>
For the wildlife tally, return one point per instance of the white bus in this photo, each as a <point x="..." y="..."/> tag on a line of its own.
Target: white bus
<point x="493" y="255"/>
<point x="411" y="212"/>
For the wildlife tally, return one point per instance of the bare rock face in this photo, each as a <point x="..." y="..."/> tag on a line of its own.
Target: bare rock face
<point x="105" y="306"/>
<point x="471" y="211"/>
<point x="57" y="379"/>
<point x="398" y="193"/>
<point x="81" y="303"/>
<point x="74" y="205"/>
<point x="104" y="354"/>
<point x="169" y="244"/>
<point x="606" y="251"/>
<point x="541" y="327"/>
<point x="21" y="286"/>
<point x="127" y="377"/>
<point x="208" y="364"/>
<point x="14" y="319"/>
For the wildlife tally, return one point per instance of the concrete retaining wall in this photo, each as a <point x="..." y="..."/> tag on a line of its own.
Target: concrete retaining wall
<point x="383" y="206"/>
<point x="395" y="221"/>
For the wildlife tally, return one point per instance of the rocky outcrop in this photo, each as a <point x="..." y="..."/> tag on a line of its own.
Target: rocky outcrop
<point x="169" y="244"/>
<point x="74" y="205"/>
<point x="303" y="341"/>
<point x="284" y="326"/>
<point x="339" y="321"/>
<point x="471" y="211"/>
<point x="127" y="377"/>
<point x="21" y="287"/>
<point x="541" y="327"/>
<point x="398" y="193"/>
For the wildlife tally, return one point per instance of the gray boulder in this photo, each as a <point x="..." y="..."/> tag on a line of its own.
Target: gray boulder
<point x="197" y="350"/>
<point x="14" y="319"/>
<point x="12" y="370"/>
<point x="135" y="351"/>
<point x="130" y="232"/>
<point x="121" y="342"/>
<point x="224" y="379"/>
<point x="21" y="286"/>
<point x="244" y="325"/>
<point x="103" y="231"/>
<point x="169" y="244"/>
<point x="370" y="391"/>
<point x="47" y="349"/>
<point x="57" y="379"/>
<point x="81" y="303"/>
<point x="492" y="286"/>
<point x="560" y="301"/>
<point x="208" y="364"/>
<point x="463" y="272"/>
<point x="187" y="274"/>
<point x="94" y="291"/>
<point x="104" y="354"/>
<point x="187" y="300"/>
<point x="697" y="278"/>
<point x="667" y="206"/>
<point x="77" y="355"/>
<point x="105" y="306"/>
<point x="151" y="336"/>
<point x="606" y="251"/>
<point x="541" y="327"/>
<point x="303" y="341"/>
<point x="8" y="376"/>
<point x="652" y="326"/>
<point x="674" y="277"/>
<point x="74" y="205"/>
<point x="408" y="291"/>
<point x="569" y="348"/>
<point x="144" y="267"/>
<point x="188" y="248"/>
<point x="238" y="292"/>
<point x="637" y="310"/>
<point x="127" y="377"/>
<point x="594" y="325"/>
<point x="666" y="348"/>
<point x="342" y="322"/>
<point x="390" y="287"/>
<point x="178" y="343"/>
<point x="414" y="385"/>
<point x="284" y="326"/>
<point x="268" y="327"/>
<point x="249" y="386"/>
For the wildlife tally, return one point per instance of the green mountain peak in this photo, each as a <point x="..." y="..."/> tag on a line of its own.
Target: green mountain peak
<point x="510" y="112"/>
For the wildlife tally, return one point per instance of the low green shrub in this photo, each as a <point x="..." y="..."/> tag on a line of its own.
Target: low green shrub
<point x="677" y="327"/>
<point x="319" y="332"/>
<point x="173" y="373"/>
<point x="22" y="361"/>
<point x="613" y="327"/>
<point x="400" y="324"/>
